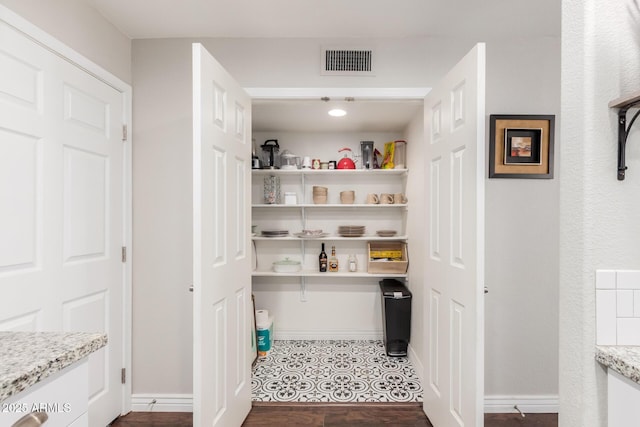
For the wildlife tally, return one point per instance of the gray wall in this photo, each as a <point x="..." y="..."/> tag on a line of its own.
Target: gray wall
<point x="522" y="77"/>
<point x="598" y="214"/>
<point x="521" y="321"/>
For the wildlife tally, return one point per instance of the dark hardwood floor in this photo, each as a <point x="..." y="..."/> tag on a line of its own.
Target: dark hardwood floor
<point x="335" y="415"/>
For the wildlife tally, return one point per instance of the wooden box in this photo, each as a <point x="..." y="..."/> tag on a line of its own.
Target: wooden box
<point x="380" y="250"/>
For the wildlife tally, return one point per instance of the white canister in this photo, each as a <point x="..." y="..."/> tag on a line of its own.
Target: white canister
<point x="290" y="198"/>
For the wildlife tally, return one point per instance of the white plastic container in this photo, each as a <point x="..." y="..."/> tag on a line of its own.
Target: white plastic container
<point x="290" y="198"/>
<point x="400" y="154"/>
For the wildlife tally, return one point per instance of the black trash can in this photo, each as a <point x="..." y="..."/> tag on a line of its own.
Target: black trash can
<point x="396" y="316"/>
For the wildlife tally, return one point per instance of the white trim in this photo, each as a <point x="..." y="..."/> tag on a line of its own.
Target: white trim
<point x="538" y="404"/>
<point x="163" y="403"/>
<point x="416" y="362"/>
<point x="417" y="93"/>
<point x="326" y="335"/>
<point x="68" y="54"/>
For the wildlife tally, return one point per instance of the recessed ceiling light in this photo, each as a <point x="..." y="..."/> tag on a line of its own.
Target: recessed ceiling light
<point x="337" y="112"/>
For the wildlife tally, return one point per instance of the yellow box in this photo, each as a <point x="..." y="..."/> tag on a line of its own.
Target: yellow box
<point x="385" y="254"/>
<point x="397" y="265"/>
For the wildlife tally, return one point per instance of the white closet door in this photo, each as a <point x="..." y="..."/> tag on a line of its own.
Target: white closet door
<point x="221" y="255"/>
<point x="61" y="222"/>
<point x="454" y="271"/>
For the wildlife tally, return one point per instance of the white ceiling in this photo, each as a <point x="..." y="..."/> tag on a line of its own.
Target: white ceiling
<point x="482" y="20"/>
<point x="311" y="115"/>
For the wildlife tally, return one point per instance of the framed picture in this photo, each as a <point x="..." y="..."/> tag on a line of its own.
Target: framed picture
<point x="521" y="146"/>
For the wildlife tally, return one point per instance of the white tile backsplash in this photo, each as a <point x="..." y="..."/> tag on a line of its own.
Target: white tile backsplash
<point x="606" y="318"/>
<point x="605" y="279"/>
<point x="624" y="303"/>
<point x="628" y="331"/>
<point x="618" y="307"/>
<point x="628" y="279"/>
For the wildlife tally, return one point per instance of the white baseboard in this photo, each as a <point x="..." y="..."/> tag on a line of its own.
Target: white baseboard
<point x="163" y="403"/>
<point x="492" y="404"/>
<point x="547" y="404"/>
<point x="416" y="362"/>
<point x="280" y="334"/>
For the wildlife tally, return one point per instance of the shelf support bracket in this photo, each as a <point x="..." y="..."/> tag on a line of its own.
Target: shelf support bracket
<point x="303" y="289"/>
<point x="623" y="106"/>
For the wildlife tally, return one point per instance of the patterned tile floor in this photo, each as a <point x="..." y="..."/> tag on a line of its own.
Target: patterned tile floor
<point x="334" y="371"/>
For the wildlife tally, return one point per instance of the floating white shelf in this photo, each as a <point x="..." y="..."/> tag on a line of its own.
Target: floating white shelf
<point x="312" y="172"/>
<point x="340" y="274"/>
<point x="332" y="206"/>
<point x="332" y="237"/>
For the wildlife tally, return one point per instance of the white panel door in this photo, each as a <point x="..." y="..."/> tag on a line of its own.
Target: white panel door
<point x="221" y="239"/>
<point x="61" y="222"/>
<point x="454" y="271"/>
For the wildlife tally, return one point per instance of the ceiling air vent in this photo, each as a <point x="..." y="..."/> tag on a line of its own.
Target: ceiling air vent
<point x="347" y="62"/>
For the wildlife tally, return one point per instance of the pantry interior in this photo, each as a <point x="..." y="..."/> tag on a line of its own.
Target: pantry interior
<point x="309" y="305"/>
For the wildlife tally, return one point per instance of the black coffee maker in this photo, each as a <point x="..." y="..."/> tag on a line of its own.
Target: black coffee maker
<point x="270" y="154"/>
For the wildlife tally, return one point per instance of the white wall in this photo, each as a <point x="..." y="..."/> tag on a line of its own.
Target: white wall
<point x="416" y="220"/>
<point x="598" y="214"/>
<point x="522" y="77"/>
<point x="345" y="308"/>
<point x="81" y="27"/>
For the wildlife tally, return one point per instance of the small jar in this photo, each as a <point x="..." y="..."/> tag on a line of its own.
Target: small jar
<point x="352" y="263"/>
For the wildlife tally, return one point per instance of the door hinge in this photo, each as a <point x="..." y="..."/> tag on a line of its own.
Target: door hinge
<point x="124" y="133"/>
<point x="123" y="375"/>
<point x="124" y="254"/>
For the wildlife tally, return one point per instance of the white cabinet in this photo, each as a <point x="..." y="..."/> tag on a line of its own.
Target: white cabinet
<point x="623" y="400"/>
<point x="306" y="215"/>
<point x="64" y="397"/>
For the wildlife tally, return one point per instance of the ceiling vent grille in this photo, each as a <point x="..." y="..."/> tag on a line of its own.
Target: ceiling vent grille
<point x="347" y="62"/>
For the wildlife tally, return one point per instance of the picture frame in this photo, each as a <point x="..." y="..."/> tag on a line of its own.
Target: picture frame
<point x="521" y="146"/>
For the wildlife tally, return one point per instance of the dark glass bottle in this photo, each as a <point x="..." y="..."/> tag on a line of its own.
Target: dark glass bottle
<point x="323" y="260"/>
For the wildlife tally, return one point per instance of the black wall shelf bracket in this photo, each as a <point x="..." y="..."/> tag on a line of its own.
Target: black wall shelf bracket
<point x="623" y="105"/>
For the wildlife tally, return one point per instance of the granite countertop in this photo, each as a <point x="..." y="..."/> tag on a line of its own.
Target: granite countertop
<point x="625" y="360"/>
<point x="29" y="357"/>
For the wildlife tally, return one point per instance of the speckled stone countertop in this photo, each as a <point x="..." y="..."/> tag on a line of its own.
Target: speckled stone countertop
<point x="625" y="360"/>
<point x="29" y="357"/>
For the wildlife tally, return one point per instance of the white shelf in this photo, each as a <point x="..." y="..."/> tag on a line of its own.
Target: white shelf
<point x="332" y="206"/>
<point x="312" y="273"/>
<point x="319" y="172"/>
<point x="332" y="237"/>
